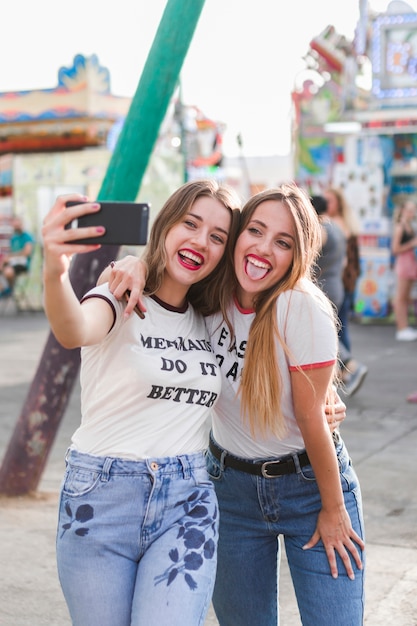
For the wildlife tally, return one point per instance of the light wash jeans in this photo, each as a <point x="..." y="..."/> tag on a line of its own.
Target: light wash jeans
<point x="137" y="540"/>
<point x="254" y="511"/>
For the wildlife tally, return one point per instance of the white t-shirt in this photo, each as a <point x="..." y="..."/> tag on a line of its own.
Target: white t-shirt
<point x="306" y="323"/>
<point x="148" y="388"/>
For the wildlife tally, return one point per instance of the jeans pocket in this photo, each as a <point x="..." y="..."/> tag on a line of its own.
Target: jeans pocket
<point x="79" y="481"/>
<point x="344" y="464"/>
<point x="307" y="473"/>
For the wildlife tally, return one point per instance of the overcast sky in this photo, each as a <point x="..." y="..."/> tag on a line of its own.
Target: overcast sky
<point x="240" y="68"/>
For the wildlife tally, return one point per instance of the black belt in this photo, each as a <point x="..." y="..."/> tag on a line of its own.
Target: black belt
<point x="267" y="469"/>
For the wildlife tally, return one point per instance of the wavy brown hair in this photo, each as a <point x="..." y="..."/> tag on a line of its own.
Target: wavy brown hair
<point x="213" y="292"/>
<point x="261" y="383"/>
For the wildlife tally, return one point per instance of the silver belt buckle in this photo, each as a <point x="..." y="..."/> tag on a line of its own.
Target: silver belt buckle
<point x="264" y="469"/>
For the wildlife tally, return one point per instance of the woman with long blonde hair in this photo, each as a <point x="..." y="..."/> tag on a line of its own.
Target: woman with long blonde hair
<point x="276" y="467"/>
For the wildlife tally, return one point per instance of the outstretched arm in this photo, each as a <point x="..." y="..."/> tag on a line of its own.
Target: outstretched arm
<point x="73" y="324"/>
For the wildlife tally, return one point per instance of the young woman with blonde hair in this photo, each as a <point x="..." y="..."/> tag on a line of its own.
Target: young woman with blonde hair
<point x="276" y="467"/>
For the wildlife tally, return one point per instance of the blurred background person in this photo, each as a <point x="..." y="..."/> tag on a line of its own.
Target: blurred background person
<point x="17" y="261"/>
<point x="412" y="397"/>
<point x="342" y="214"/>
<point x="329" y="276"/>
<point x="403" y="247"/>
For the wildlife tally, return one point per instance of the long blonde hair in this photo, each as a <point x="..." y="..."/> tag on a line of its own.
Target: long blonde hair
<point x="261" y="384"/>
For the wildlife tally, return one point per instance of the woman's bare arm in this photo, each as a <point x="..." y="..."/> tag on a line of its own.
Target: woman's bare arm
<point x="334" y="526"/>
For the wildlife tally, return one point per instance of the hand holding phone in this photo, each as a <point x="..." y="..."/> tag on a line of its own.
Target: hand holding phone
<point x="126" y="223"/>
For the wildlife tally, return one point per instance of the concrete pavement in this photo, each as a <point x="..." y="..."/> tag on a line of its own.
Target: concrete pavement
<point x="380" y="431"/>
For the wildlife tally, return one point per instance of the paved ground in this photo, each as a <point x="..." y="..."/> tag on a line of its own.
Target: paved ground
<point x="380" y="431"/>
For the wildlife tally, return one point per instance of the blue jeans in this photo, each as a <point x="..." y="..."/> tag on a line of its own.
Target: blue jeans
<point x="137" y="540"/>
<point x="254" y="511"/>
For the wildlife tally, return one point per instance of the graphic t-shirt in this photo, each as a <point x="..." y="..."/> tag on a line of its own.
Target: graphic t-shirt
<point x="306" y="323"/>
<point x="147" y="389"/>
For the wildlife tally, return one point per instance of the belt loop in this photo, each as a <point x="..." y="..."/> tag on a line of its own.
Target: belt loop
<point x="105" y="472"/>
<point x="222" y="458"/>
<point x="186" y="467"/>
<point x="296" y="463"/>
<point x="223" y="453"/>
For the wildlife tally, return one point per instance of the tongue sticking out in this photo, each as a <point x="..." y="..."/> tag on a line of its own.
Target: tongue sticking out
<point x="255" y="272"/>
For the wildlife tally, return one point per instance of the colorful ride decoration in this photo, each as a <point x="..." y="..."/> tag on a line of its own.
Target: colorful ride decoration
<point x="77" y="113"/>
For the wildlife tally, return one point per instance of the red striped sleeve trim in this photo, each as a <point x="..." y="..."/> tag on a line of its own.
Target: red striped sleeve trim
<point x="312" y="366"/>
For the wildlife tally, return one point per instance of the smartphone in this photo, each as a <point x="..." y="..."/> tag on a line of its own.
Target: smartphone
<point x="126" y="223"/>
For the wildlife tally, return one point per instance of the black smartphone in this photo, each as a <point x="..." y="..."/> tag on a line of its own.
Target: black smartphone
<point x="126" y="223"/>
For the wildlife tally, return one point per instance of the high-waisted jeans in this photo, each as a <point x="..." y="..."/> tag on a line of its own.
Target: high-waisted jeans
<point x="137" y="540"/>
<point x="254" y="512"/>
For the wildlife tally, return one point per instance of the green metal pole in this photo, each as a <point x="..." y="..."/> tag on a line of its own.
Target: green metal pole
<point x="51" y="387"/>
<point x="157" y="84"/>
